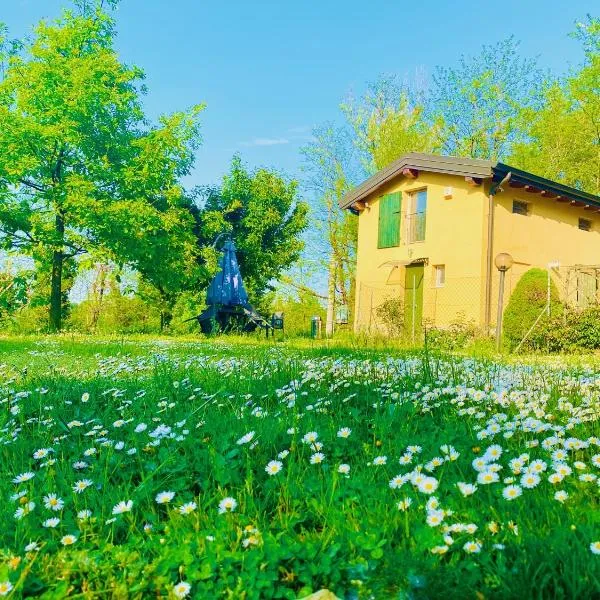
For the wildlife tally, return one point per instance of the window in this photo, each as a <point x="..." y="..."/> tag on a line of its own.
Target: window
<point x="389" y="220"/>
<point x="417" y="217"/>
<point x="520" y="207"/>
<point x="439" y="275"/>
<point x="585" y="224"/>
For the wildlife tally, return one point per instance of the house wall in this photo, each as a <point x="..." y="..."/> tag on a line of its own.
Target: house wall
<point x="549" y="233"/>
<point x="454" y="236"/>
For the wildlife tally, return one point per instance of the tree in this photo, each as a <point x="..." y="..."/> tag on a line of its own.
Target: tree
<point x="564" y="135"/>
<point x="477" y="104"/>
<point x="333" y="164"/>
<point x="262" y="213"/>
<point x="388" y="121"/>
<point x="81" y="170"/>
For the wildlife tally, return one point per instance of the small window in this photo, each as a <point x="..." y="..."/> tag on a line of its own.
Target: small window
<point x="520" y="207"/>
<point x="439" y="275"/>
<point x="585" y="224"/>
<point x="416" y="221"/>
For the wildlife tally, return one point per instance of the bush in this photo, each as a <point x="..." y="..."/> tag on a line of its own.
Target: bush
<point x="526" y="303"/>
<point x="391" y="314"/>
<point x="459" y="335"/>
<point x="570" y="330"/>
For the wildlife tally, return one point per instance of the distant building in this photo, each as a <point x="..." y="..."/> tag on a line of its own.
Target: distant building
<point x="430" y="226"/>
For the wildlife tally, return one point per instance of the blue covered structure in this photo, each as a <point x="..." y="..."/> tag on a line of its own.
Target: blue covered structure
<point x="228" y="308"/>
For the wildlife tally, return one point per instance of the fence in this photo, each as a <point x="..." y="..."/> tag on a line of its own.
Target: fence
<point x="391" y="308"/>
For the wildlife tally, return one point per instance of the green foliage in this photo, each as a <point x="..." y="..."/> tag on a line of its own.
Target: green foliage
<point x="80" y="169"/>
<point x="117" y="314"/>
<point x="563" y="135"/>
<point x="14" y="289"/>
<point x="526" y="304"/>
<point x="572" y="330"/>
<point x="391" y="315"/>
<point x="298" y="311"/>
<point x="477" y="104"/>
<point x="262" y="213"/>
<point x="460" y="335"/>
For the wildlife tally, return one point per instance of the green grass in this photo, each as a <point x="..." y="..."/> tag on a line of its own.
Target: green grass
<point x="308" y="526"/>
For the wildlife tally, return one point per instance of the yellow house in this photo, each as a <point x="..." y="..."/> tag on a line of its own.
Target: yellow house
<point x="430" y="227"/>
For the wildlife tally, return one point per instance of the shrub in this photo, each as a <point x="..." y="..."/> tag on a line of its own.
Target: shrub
<point x="391" y="313"/>
<point x="526" y="303"/>
<point x="460" y="334"/>
<point x="573" y="329"/>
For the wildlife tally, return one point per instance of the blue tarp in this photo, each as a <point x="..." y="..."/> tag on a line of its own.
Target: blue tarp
<point x="227" y="288"/>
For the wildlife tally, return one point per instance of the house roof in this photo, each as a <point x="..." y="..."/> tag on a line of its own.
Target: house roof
<point x="476" y="171"/>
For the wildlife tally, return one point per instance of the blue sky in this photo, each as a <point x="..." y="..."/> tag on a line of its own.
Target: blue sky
<point x="270" y="70"/>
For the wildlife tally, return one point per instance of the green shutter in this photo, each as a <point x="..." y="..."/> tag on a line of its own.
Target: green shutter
<point x="389" y="220"/>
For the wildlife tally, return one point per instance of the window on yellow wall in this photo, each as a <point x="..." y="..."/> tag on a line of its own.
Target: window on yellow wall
<point x="417" y="215"/>
<point x="439" y="276"/>
<point x="520" y="208"/>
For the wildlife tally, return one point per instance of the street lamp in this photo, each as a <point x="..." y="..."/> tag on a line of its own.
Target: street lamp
<point x="503" y="262"/>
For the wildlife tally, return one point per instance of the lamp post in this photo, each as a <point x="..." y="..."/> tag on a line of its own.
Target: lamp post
<point x="503" y="262"/>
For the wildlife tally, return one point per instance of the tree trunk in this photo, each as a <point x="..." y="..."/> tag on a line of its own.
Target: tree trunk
<point x="329" y="318"/>
<point x="56" y="277"/>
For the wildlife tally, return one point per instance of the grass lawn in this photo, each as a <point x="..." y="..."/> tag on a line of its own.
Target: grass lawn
<point x="139" y="468"/>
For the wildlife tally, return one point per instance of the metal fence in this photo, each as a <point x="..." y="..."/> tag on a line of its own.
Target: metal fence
<point x="390" y="308"/>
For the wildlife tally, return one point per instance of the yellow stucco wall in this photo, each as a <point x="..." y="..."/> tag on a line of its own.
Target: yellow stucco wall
<point x="456" y="236"/>
<point x="549" y="233"/>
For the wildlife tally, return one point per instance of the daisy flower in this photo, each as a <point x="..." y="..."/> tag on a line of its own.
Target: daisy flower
<point x="428" y="485"/>
<point x="83" y="515"/>
<point x="227" y="505"/>
<point x="122" y="507"/>
<point x="344" y="432"/>
<point x="245" y="438"/>
<point x="344" y="469"/>
<point x="187" y="508"/>
<point x="82" y="485"/>
<point x="181" y="589"/>
<point x="310" y="437"/>
<point x="466" y="489"/>
<point x="164" y="497"/>
<point x="404" y="504"/>
<point x="380" y="460"/>
<point x="53" y="502"/>
<point x="530" y="480"/>
<point x="487" y="477"/>
<point x="5" y="587"/>
<point x="595" y="547"/>
<point x="273" y="467"/>
<point x="472" y="547"/>
<point x="317" y="458"/>
<point x="68" y="540"/>
<point x="561" y="496"/>
<point x="51" y="523"/>
<point x="511" y="492"/>
<point x="23" y="477"/>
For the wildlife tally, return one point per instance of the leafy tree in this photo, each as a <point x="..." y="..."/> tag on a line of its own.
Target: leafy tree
<point x="564" y="135"/>
<point x="14" y="291"/>
<point x="388" y="121"/>
<point x="262" y="213"/>
<point x="81" y="171"/>
<point x="477" y="103"/>
<point x="333" y="164"/>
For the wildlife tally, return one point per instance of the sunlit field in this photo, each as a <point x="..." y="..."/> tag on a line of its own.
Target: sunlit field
<point x="141" y="469"/>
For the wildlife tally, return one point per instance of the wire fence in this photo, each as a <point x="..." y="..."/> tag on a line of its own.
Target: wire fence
<point x="396" y="308"/>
